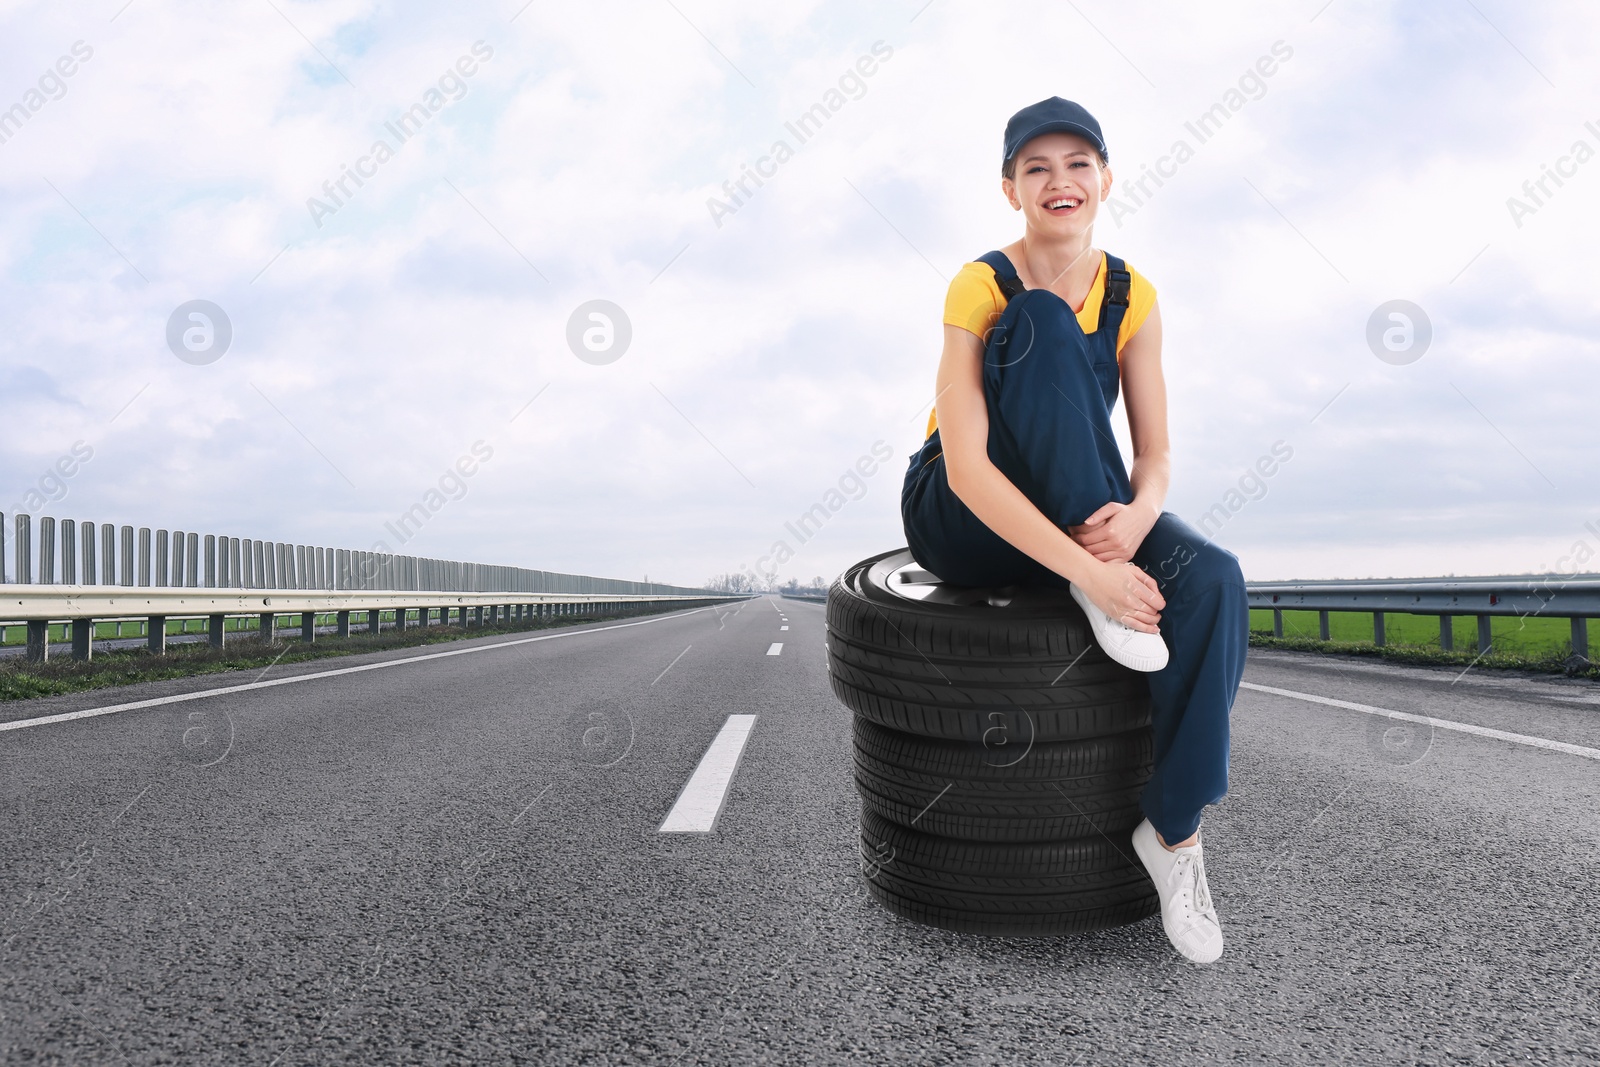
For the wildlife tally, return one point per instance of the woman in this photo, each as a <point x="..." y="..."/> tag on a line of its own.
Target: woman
<point x="1020" y="481"/>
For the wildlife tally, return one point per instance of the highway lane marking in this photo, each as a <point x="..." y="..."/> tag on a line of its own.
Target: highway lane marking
<point x="1443" y="724"/>
<point x="776" y="649"/>
<point x="698" y="806"/>
<point x="112" y="709"/>
<point x="783" y="627"/>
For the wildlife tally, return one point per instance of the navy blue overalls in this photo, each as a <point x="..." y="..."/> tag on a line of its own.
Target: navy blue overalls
<point x="1050" y="389"/>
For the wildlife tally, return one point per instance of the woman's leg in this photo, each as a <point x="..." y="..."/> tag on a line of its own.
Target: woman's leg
<point x="1206" y="625"/>
<point x="1049" y="433"/>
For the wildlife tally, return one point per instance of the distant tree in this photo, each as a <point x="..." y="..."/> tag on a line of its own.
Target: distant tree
<point x="730" y="583"/>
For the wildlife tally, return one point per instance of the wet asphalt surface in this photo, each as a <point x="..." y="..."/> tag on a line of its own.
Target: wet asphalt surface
<point x="457" y="861"/>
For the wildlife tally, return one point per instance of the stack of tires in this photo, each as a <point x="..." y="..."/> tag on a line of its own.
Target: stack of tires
<point x="999" y="753"/>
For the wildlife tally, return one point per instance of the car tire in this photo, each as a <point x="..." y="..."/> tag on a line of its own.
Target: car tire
<point x="1012" y="890"/>
<point x="1049" y="791"/>
<point x="999" y="753"/>
<point x="961" y="663"/>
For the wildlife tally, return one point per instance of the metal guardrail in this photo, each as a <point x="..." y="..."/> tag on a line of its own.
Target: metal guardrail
<point x="1575" y="597"/>
<point x="160" y="576"/>
<point x="83" y="607"/>
<point x="812" y="597"/>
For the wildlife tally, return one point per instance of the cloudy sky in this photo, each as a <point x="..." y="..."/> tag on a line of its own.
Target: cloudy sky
<point x="381" y="330"/>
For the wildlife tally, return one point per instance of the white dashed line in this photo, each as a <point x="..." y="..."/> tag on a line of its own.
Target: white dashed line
<point x="783" y="627"/>
<point x="776" y="649"/>
<point x="700" y="802"/>
<point x="1443" y="724"/>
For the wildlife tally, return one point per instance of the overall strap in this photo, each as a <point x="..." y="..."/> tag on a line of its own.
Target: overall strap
<point x="1118" y="282"/>
<point x="1005" y="275"/>
<point x="1114" y="304"/>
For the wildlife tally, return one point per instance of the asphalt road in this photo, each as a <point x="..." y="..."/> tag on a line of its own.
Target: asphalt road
<point x="457" y="860"/>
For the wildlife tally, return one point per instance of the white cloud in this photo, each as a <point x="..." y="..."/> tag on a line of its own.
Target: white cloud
<point x="806" y="327"/>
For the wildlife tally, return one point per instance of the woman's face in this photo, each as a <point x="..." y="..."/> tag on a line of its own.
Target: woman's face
<point x="1058" y="184"/>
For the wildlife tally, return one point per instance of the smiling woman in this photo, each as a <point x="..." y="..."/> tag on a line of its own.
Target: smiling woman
<point x="1021" y="483"/>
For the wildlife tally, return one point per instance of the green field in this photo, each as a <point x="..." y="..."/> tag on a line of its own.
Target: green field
<point x="1532" y="643"/>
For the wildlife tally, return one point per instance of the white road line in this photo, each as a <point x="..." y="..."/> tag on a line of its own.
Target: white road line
<point x="698" y="806"/>
<point x="89" y="713"/>
<point x="783" y="627"/>
<point x="1443" y="724"/>
<point x="776" y="649"/>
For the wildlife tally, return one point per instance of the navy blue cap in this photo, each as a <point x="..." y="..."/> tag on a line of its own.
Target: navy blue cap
<point x="1054" y="115"/>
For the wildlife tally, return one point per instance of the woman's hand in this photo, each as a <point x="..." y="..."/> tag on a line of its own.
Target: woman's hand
<point x="1115" y="532"/>
<point x="1127" y="594"/>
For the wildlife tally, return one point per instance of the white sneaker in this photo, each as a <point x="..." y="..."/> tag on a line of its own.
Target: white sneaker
<point x="1187" y="914"/>
<point x="1129" y="647"/>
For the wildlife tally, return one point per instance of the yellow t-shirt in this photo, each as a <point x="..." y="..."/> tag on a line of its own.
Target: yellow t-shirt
<point x="974" y="303"/>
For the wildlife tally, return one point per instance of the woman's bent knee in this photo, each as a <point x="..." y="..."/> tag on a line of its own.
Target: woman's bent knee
<point x="1177" y="555"/>
<point x="1215" y="565"/>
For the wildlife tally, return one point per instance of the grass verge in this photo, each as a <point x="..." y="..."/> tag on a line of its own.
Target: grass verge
<point x="22" y="680"/>
<point x="1417" y="655"/>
